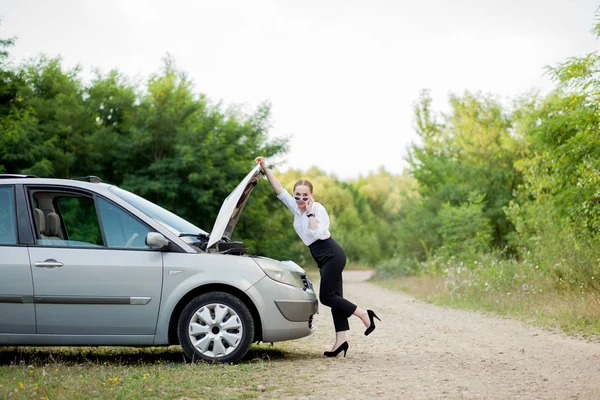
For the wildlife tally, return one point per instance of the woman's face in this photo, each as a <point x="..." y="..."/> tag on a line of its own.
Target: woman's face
<point x="301" y="194"/>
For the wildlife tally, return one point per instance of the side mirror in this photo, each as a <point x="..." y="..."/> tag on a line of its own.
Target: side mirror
<point x="156" y="241"/>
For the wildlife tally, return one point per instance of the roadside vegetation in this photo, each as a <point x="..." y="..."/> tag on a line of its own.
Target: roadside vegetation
<point x="498" y="209"/>
<point x="508" y="213"/>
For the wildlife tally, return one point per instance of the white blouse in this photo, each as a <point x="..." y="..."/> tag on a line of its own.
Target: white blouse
<point x="302" y="222"/>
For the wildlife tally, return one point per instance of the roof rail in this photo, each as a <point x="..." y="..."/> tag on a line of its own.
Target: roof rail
<point x="91" y="178"/>
<point x="16" y="176"/>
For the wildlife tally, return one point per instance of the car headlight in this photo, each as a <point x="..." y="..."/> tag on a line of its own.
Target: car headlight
<point x="279" y="272"/>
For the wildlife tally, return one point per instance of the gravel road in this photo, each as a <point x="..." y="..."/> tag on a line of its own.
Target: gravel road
<point x="422" y="351"/>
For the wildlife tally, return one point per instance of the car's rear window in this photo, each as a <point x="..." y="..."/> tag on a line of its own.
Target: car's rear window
<point x="8" y="231"/>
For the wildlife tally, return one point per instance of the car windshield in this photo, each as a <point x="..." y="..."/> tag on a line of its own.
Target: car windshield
<point x="169" y="220"/>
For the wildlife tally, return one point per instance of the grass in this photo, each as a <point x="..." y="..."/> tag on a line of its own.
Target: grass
<point x="148" y="373"/>
<point x="48" y="373"/>
<point x="539" y="301"/>
<point x="270" y="372"/>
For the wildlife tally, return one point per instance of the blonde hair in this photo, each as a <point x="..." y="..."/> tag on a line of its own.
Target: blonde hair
<point x="303" y="182"/>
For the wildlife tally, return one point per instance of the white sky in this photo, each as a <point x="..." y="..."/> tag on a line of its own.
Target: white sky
<point x="342" y="76"/>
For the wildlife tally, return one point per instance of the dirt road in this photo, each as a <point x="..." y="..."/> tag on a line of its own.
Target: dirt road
<point x="421" y="351"/>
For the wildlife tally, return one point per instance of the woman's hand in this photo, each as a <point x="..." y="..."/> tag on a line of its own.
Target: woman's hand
<point x="260" y="160"/>
<point x="309" y="205"/>
<point x="272" y="180"/>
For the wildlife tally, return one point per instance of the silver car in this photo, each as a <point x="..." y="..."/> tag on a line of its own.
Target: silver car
<point x="87" y="263"/>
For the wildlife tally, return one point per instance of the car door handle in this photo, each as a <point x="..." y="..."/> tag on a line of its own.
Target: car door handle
<point x="50" y="263"/>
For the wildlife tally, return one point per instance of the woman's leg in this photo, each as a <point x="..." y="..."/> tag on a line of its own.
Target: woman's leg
<point x="363" y="315"/>
<point x="340" y="317"/>
<point x="330" y="293"/>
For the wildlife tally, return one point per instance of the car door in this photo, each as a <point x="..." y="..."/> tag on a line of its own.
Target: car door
<point x="16" y="289"/>
<point x="92" y="271"/>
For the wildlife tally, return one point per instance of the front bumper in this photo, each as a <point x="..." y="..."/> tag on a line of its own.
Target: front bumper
<point x="286" y="312"/>
<point x="297" y="310"/>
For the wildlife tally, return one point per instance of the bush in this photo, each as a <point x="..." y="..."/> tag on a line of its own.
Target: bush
<point x="466" y="232"/>
<point x="398" y="266"/>
<point x="572" y="255"/>
<point x="490" y="273"/>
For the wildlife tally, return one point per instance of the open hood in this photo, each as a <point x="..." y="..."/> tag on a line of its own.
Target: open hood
<point x="232" y="207"/>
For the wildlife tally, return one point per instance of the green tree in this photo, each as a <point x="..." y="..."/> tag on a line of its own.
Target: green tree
<point x="557" y="208"/>
<point x="465" y="230"/>
<point x="468" y="150"/>
<point x="164" y="141"/>
<point x="44" y="126"/>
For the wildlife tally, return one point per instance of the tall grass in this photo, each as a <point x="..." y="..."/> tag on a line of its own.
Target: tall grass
<point x="555" y="298"/>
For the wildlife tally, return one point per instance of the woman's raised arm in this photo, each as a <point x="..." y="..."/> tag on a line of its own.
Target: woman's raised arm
<point x="275" y="184"/>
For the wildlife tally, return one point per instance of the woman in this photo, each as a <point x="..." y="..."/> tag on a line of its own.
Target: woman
<point x="311" y="223"/>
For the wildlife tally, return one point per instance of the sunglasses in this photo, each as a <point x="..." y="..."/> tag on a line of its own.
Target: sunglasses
<point x="301" y="198"/>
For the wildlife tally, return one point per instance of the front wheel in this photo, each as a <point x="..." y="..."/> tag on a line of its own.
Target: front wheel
<point x="215" y="326"/>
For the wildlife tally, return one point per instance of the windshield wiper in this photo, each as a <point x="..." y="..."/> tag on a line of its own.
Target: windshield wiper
<point x="201" y="236"/>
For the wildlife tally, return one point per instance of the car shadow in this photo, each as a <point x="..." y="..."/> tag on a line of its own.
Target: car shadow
<point x="25" y="356"/>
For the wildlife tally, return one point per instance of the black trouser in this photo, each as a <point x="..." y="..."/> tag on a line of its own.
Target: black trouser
<point x="331" y="259"/>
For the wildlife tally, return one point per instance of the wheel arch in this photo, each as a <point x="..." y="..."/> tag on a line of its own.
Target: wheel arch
<point x="214" y="287"/>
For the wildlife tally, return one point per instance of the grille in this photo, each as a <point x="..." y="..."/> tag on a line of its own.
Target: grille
<point x="310" y="322"/>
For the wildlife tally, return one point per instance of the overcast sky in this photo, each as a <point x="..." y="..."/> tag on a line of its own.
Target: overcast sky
<point x="342" y="75"/>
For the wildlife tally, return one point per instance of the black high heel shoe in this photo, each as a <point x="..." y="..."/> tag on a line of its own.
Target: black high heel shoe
<point x="371" y="327"/>
<point x="344" y="346"/>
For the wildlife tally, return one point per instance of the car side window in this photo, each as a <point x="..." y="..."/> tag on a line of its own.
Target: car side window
<point x="121" y="229"/>
<point x="66" y="219"/>
<point x="8" y="232"/>
<point x="80" y="220"/>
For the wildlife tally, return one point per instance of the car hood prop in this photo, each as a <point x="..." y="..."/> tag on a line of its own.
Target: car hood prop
<point x="232" y="207"/>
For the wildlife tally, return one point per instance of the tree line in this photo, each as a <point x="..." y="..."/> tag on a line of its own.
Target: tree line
<point x="517" y="181"/>
<point x="162" y="140"/>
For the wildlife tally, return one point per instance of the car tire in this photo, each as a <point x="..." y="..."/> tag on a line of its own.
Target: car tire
<point x="215" y="326"/>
